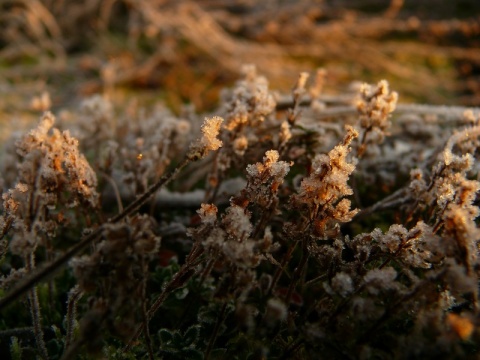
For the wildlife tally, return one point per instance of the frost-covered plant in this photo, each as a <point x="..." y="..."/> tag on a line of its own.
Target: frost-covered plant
<point x="322" y="191"/>
<point x="304" y="226"/>
<point x="53" y="176"/>
<point x="115" y="275"/>
<point x="375" y="105"/>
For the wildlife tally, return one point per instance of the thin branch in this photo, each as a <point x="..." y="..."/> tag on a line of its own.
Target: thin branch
<point x="399" y="197"/>
<point x="449" y="113"/>
<point x="148" y="339"/>
<point x="36" y="314"/>
<point x="74" y="296"/>
<point x="213" y="337"/>
<point x="186" y="272"/>
<point x="116" y="191"/>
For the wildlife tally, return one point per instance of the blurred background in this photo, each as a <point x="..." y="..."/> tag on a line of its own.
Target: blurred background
<point x="181" y="51"/>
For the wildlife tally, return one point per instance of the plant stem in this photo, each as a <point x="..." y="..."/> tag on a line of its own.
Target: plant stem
<point x="73" y="298"/>
<point x="213" y="337"/>
<point x="36" y="314"/>
<point x="298" y="271"/>
<point x="185" y="273"/>
<point x="281" y="269"/>
<point x="148" y="339"/>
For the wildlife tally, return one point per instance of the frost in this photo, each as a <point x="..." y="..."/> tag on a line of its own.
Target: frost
<point x="210" y="131"/>
<point x="208" y="213"/>
<point x="237" y="223"/>
<point x="251" y="100"/>
<point x="375" y="105"/>
<point x="208" y="142"/>
<point x="377" y="280"/>
<point x="327" y="184"/>
<point x="262" y="245"/>
<point x="240" y="145"/>
<point x="342" y="284"/>
<point x="276" y="311"/>
<point x="285" y="133"/>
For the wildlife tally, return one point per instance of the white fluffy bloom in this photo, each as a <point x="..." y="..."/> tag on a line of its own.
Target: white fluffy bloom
<point x="342" y="284"/>
<point x="276" y="311"/>
<point x="209" y="140"/>
<point x="378" y="279"/>
<point x="237" y="222"/>
<point x="208" y="213"/>
<point x="210" y="131"/>
<point x="328" y="182"/>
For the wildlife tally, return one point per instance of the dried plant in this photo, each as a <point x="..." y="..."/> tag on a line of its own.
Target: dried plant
<point x="292" y="227"/>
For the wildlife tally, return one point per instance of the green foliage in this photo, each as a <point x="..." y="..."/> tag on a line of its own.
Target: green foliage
<point x="175" y="345"/>
<point x="15" y="349"/>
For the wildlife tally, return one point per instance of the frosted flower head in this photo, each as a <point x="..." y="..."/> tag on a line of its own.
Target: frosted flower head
<point x="237" y="223"/>
<point x="466" y="137"/>
<point x="183" y="127"/>
<point x="250" y="101"/>
<point x="299" y="88"/>
<point x="41" y="102"/>
<point x="328" y="181"/>
<point x="375" y="104"/>
<point x="215" y="239"/>
<point x="342" y="284"/>
<point x="62" y="166"/>
<point x="242" y="254"/>
<point x="97" y="106"/>
<point x="285" y="133"/>
<point x="210" y="131"/>
<point x="392" y="238"/>
<point x="208" y="213"/>
<point x="209" y="140"/>
<point x="240" y="145"/>
<point x="377" y="280"/>
<point x="270" y="168"/>
<point x="276" y="311"/>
